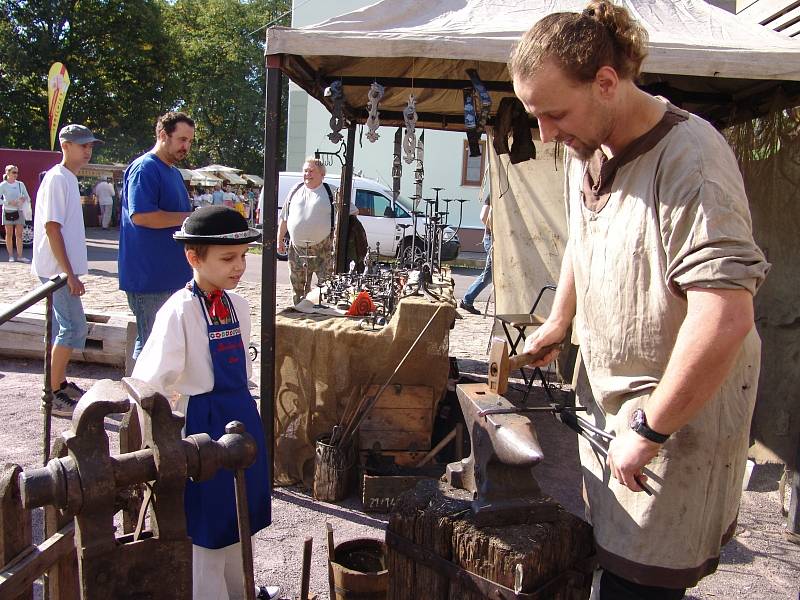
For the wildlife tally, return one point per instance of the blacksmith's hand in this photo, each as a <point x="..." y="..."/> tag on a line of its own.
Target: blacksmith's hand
<point x="628" y="453"/>
<point x="548" y="334"/>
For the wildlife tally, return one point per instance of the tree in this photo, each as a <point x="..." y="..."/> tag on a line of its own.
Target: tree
<point x="120" y="60"/>
<point x="222" y="76"/>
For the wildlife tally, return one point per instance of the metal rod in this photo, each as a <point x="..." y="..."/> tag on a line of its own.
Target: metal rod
<point x="47" y="391"/>
<point x="340" y="264"/>
<point x="46" y="289"/>
<point x="268" y="265"/>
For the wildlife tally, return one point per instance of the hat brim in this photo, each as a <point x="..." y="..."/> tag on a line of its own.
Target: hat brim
<point x="252" y="235"/>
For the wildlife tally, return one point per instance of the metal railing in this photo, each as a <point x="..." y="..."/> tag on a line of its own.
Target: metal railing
<point x="44" y="291"/>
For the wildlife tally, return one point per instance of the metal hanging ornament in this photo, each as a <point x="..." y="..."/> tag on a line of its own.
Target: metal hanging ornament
<point x="397" y="165"/>
<point x="410" y="139"/>
<point x="337" y="113"/>
<point x="373" y="98"/>
<point x="419" y="172"/>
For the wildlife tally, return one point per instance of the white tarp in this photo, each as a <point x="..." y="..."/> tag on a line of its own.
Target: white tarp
<point x="687" y="37"/>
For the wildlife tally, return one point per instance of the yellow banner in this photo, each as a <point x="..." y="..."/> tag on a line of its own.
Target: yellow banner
<point x="57" y="84"/>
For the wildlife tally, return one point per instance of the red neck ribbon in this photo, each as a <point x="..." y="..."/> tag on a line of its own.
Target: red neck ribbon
<point x="218" y="310"/>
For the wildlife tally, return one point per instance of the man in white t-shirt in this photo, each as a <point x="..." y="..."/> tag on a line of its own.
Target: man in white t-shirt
<point x="59" y="246"/>
<point x="105" y="198"/>
<point x="308" y="216"/>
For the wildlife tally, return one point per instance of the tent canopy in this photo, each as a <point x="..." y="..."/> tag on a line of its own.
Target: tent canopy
<point x="254" y="179"/>
<point x="700" y="57"/>
<point x="222" y="172"/>
<point x="218" y="169"/>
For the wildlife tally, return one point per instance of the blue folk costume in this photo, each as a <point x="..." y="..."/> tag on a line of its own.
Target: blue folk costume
<point x="211" y="505"/>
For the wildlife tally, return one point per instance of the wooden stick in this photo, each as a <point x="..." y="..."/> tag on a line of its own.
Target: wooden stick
<point x="377" y="396"/>
<point x="305" y="579"/>
<point x="437" y="448"/>
<point x="331" y="557"/>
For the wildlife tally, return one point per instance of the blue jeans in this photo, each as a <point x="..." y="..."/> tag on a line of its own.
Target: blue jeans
<point x="144" y="308"/>
<point x="69" y="320"/>
<point x="485" y="278"/>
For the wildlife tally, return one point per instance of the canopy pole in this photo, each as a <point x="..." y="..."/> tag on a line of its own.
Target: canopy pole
<point x="347" y="192"/>
<point x="272" y="105"/>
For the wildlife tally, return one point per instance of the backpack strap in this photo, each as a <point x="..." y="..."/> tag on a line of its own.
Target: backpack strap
<point x="330" y="197"/>
<point x="290" y="196"/>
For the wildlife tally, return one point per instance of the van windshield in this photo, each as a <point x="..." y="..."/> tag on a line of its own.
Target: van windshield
<point x="402" y="207"/>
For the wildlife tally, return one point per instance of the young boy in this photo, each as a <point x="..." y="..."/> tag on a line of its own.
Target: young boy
<point x="196" y="357"/>
<point x="59" y="246"/>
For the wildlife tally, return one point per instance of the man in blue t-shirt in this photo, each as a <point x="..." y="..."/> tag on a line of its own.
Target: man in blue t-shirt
<point x="155" y="203"/>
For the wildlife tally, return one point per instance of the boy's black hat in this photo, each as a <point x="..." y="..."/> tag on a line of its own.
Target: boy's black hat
<point x="216" y="226"/>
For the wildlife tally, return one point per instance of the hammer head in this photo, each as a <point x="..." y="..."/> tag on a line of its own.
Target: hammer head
<point x="498" y="366"/>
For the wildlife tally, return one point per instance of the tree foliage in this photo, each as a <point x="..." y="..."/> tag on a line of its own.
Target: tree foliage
<point x="223" y="75"/>
<point x="130" y="61"/>
<point x="120" y="61"/>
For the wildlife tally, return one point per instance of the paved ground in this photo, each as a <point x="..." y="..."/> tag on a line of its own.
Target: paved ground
<point x="759" y="563"/>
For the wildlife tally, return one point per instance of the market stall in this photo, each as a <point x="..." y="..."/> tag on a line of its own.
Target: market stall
<point x="701" y="58"/>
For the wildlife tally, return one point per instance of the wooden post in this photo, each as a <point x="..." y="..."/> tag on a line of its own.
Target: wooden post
<point x="15" y="521"/>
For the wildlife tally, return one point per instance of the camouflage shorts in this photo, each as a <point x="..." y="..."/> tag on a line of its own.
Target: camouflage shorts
<point x="304" y="262"/>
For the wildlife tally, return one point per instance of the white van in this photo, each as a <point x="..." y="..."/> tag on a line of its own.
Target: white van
<point x="377" y="215"/>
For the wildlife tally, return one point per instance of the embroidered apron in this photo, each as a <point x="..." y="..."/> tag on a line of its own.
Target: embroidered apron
<point x="211" y="505"/>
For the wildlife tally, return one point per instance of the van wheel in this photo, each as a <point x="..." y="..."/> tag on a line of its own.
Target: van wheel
<point x="285" y="255"/>
<point x="27" y="234"/>
<point x="404" y="254"/>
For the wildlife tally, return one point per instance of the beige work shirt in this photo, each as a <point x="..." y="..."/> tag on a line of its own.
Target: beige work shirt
<point x="672" y="215"/>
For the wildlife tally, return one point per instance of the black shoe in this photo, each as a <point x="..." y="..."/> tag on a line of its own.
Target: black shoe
<point x="73" y="391"/>
<point x="469" y="308"/>
<point x="63" y="405"/>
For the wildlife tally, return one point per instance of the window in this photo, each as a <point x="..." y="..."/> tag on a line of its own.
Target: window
<point x="472" y="167"/>
<point x="373" y="204"/>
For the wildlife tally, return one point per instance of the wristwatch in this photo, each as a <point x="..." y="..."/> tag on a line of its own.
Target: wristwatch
<point x="639" y="425"/>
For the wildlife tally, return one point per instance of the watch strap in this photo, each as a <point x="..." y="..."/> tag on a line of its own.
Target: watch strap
<point x="643" y="429"/>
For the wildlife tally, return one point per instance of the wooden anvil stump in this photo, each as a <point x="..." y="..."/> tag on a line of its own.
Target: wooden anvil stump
<point x="437" y="552"/>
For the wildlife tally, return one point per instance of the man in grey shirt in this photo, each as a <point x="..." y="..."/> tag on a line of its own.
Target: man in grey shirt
<point x="308" y="216"/>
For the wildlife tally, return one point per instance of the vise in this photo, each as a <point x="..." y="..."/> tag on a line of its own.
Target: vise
<point x="154" y="564"/>
<point x="504" y="450"/>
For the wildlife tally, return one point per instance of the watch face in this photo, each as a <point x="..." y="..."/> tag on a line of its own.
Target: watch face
<point x="637" y="418"/>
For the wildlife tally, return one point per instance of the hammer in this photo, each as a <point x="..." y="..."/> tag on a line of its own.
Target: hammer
<point x="501" y="364"/>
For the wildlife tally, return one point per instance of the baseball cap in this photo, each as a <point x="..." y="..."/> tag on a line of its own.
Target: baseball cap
<point x="78" y="134"/>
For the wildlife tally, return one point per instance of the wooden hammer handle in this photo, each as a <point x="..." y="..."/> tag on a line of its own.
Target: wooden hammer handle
<point x="520" y="360"/>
